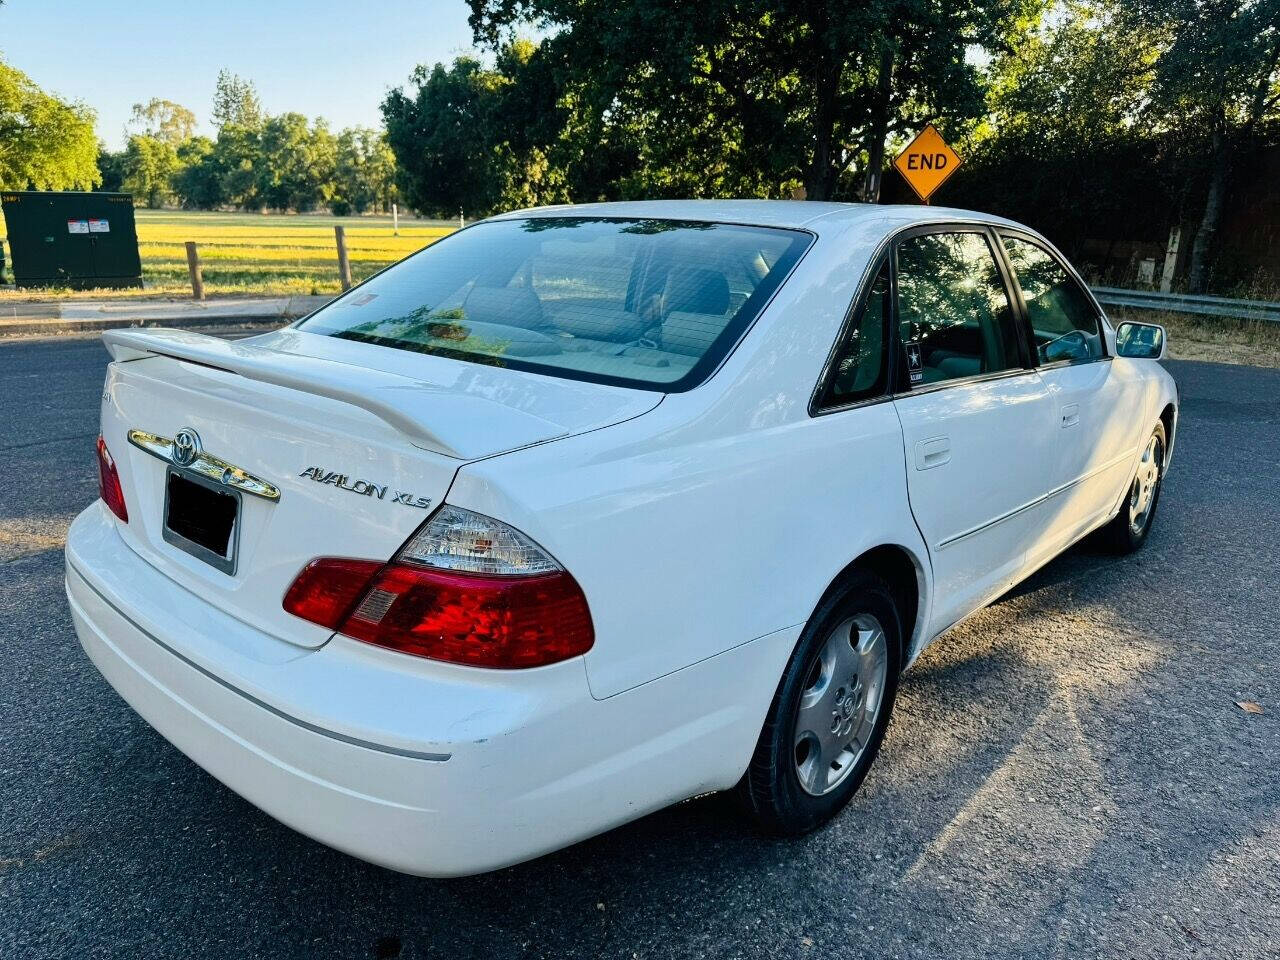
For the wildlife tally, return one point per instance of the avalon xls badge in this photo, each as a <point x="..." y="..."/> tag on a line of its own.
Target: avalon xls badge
<point x="369" y="489"/>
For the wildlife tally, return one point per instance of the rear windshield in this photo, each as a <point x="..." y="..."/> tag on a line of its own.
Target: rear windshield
<point x="654" y="304"/>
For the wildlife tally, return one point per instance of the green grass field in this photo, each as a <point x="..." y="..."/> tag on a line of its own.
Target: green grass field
<point x="246" y="254"/>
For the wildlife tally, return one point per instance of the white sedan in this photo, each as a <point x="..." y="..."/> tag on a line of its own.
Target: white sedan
<point x="583" y="511"/>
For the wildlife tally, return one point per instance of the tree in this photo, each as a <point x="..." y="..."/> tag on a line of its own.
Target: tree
<point x="149" y="168"/>
<point x="235" y="102"/>
<point x="364" y="175"/>
<point x="45" y="143"/>
<point x="443" y="138"/>
<point x="163" y="120"/>
<point x="237" y="157"/>
<point x="297" y="164"/>
<point x="1068" y="144"/>
<point x="754" y="97"/>
<point x="199" y="180"/>
<point x="478" y="139"/>
<point x="1221" y="74"/>
<point x="110" y="169"/>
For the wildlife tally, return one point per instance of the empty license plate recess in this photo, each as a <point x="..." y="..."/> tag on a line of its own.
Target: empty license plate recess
<point x="202" y="518"/>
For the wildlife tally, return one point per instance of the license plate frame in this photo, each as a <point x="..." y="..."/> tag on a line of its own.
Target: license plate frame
<point x="224" y="562"/>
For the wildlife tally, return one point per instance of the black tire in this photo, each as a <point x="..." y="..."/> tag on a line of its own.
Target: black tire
<point x="1128" y="530"/>
<point x="771" y="789"/>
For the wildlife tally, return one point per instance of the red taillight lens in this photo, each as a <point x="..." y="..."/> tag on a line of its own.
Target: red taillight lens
<point x="471" y="618"/>
<point x="326" y="589"/>
<point x="485" y="621"/>
<point x="109" y="482"/>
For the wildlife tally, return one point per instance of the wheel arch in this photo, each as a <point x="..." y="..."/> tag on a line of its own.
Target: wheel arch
<point x="905" y="574"/>
<point x="1169" y="417"/>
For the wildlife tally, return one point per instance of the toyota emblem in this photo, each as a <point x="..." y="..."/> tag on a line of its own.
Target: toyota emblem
<point x="186" y="447"/>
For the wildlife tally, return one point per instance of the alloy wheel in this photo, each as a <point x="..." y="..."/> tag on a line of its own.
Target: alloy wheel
<point x="840" y="703"/>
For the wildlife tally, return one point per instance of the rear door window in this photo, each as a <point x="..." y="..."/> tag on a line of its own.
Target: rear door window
<point x="861" y="362"/>
<point x="1063" y="321"/>
<point x="954" y="316"/>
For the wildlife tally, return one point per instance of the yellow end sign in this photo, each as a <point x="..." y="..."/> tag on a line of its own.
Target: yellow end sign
<point x="927" y="162"/>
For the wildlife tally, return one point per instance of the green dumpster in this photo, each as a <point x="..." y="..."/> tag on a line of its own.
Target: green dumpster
<point x="78" y="240"/>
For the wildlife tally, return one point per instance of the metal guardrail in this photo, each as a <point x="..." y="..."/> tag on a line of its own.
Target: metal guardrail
<point x="1189" y="303"/>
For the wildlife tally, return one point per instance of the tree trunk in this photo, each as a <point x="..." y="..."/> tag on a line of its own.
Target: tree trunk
<point x="879" y="129"/>
<point x="1207" y="233"/>
<point x="820" y="180"/>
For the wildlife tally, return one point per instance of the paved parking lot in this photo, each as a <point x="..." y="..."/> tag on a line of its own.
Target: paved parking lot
<point x="1067" y="774"/>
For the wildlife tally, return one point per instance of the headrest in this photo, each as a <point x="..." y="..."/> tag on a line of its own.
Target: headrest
<point x="512" y="306"/>
<point x="696" y="290"/>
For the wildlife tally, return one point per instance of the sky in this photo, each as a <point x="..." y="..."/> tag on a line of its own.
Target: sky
<point x="323" y="58"/>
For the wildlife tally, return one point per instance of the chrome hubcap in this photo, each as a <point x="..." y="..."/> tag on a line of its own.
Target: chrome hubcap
<point x="1143" y="494"/>
<point x="840" y="703"/>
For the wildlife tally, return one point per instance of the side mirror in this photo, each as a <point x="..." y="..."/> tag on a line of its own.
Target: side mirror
<point x="1141" y="341"/>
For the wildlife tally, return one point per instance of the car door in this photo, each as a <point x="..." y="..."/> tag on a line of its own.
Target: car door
<point x="1094" y="439"/>
<point x="975" y="415"/>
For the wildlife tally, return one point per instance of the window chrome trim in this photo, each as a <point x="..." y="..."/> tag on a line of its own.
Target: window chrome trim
<point x="1056" y="364"/>
<point x="965" y="381"/>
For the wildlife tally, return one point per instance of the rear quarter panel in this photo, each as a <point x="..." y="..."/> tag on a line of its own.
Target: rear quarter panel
<point x="724" y="514"/>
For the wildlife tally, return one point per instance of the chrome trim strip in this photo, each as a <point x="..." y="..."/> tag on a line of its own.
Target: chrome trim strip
<point x="937" y="385"/>
<point x="1091" y="474"/>
<point x="1037" y="501"/>
<point x="991" y="523"/>
<point x="331" y="734"/>
<point x="209" y="467"/>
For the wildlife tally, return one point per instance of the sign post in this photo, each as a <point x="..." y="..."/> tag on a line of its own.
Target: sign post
<point x="927" y="162"/>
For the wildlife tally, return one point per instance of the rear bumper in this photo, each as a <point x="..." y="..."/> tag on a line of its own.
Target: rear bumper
<point x="425" y="768"/>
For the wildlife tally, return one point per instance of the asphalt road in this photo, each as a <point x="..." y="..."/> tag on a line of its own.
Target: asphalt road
<point x="1066" y="775"/>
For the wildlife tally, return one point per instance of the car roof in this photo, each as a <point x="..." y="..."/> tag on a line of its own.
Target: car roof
<point x="815" y="216"/>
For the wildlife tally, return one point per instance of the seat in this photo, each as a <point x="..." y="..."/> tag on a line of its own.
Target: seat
<point x="695" y="300"/>
<point x="594" y="319"/>
<point x="695" y="290"/>
<point x="508" y="306"/>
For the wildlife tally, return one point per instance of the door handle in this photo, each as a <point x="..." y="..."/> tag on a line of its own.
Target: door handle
<point x="933" y="452"/>
<point x="1070" y="414"/>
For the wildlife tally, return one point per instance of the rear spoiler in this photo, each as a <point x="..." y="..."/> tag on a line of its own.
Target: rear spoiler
<point x="406" y="405"/>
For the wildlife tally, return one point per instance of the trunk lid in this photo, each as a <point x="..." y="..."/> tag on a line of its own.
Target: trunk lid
<point x="361" y="442"/>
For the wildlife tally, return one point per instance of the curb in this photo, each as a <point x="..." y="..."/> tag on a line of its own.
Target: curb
<point x="76" y="317"/>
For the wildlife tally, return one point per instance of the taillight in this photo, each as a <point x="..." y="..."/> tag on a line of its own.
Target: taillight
<point x="109" y="482"/>
<point x="466" y="589"/>
<point x="326" y="589"/>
